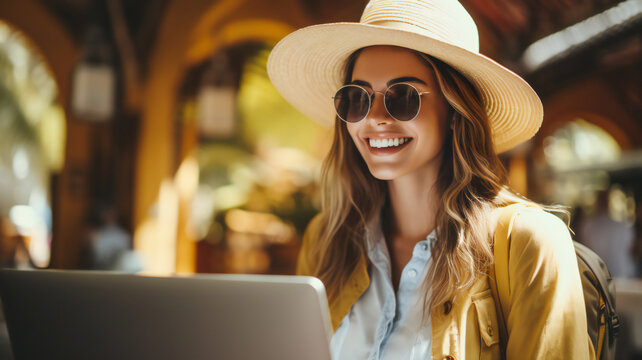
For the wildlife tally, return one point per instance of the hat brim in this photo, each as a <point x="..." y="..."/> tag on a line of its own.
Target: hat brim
<point x="308" y="66"/>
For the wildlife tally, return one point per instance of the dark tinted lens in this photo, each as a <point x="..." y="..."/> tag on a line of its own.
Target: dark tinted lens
<point x="402" y="102"/>
<point x="352" y="103"/>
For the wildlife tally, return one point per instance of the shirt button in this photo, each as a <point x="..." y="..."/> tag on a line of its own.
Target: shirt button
<point x="412" y="273"/>
<point x="424" y="246"/>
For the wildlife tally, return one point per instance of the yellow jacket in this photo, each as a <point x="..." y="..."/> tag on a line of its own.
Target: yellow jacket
<point x="545" y="317"/>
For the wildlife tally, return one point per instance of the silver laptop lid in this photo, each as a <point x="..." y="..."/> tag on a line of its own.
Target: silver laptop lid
<point x="89" y="315"/>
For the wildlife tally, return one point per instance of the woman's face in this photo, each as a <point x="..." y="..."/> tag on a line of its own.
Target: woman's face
<point x="375" y="69"/>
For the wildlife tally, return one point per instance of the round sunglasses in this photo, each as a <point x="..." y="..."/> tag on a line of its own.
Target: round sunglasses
<point x="353" y="102"/>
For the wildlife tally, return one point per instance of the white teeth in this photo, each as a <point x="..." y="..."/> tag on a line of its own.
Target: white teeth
<point x="383" y="143"/>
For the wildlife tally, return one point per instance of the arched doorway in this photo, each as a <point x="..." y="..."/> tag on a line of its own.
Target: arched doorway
<point x="586" y="169"/>
<point x="258" y="161"/>
<point x="32" y="142"/>
<point x="572" y="162"/>
<point x="164" y="171"/>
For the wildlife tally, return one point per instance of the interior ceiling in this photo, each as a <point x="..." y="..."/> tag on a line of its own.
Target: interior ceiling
<point x="515" y="22"/>
<point x="142" y="18"/>
<point x="506" y="27"/>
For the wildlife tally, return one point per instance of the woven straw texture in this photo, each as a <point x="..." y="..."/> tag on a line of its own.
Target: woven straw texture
<point x="308" y="65"/>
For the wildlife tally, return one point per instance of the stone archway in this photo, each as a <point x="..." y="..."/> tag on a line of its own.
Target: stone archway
<point x="61" y="53"/>
<point x="49" y="36"/>
<point x="207" y="26"/>
<point x="590" y="100"/>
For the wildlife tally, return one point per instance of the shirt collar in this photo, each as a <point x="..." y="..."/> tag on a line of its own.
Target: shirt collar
<point x="374" y="232"/>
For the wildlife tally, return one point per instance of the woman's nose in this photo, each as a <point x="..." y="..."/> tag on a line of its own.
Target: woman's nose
<point x="378" y="112"/>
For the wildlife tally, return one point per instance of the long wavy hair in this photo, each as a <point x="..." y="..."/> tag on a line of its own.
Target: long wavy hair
<point x="472" y="181"/>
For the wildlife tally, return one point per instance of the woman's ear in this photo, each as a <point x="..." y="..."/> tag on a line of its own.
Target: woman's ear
<point x="451" y="117"/>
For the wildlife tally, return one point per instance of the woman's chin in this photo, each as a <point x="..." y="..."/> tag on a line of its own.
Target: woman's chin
<point x="386" y="173"/>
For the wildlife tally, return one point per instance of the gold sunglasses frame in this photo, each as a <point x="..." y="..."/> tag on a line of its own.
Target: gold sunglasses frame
<point x="371" y="98"/>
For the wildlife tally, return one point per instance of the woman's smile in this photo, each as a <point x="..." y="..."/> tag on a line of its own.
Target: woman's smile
<point x="387" y="146"/>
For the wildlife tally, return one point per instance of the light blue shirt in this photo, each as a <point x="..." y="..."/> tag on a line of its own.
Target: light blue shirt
<point x="382" y="325"/>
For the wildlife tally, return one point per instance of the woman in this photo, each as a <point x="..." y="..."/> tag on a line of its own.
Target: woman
<point x="412" y="191"/>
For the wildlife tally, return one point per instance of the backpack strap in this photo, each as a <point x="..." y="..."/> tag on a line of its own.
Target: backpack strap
<point x="591" y="262"/>
<point x="607" y="303"/>
<point x="498" y="273"/>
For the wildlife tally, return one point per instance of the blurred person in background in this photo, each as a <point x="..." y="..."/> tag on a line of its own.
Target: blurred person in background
<point x="13" y="248"/>
<point x="110" y="244"/>
<point x="612" y="240"/>
<point x="637" y="241"/>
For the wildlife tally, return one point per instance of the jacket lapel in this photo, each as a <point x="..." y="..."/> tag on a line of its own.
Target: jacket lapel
<point x="356" y="285"/>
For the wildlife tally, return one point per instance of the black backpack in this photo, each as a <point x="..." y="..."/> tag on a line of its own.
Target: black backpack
<point x="599" y="298"/>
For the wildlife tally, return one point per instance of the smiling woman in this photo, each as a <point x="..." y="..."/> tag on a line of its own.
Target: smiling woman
<point x="448" y="159"/>
<point x="413" y="189"/>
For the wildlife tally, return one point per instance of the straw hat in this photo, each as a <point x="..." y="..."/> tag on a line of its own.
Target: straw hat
<point x="308" y="66"/>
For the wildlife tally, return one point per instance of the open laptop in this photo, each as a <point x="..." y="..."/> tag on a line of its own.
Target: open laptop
<point x="97" y="315"/>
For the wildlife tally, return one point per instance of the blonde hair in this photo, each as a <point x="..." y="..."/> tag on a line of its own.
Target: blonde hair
<point x="472" y="181"/>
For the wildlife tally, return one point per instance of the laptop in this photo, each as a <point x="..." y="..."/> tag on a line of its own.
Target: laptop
<point x="54" y="314"/>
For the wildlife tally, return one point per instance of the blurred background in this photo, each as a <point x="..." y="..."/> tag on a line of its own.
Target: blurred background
<point x="145" y="136"/>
